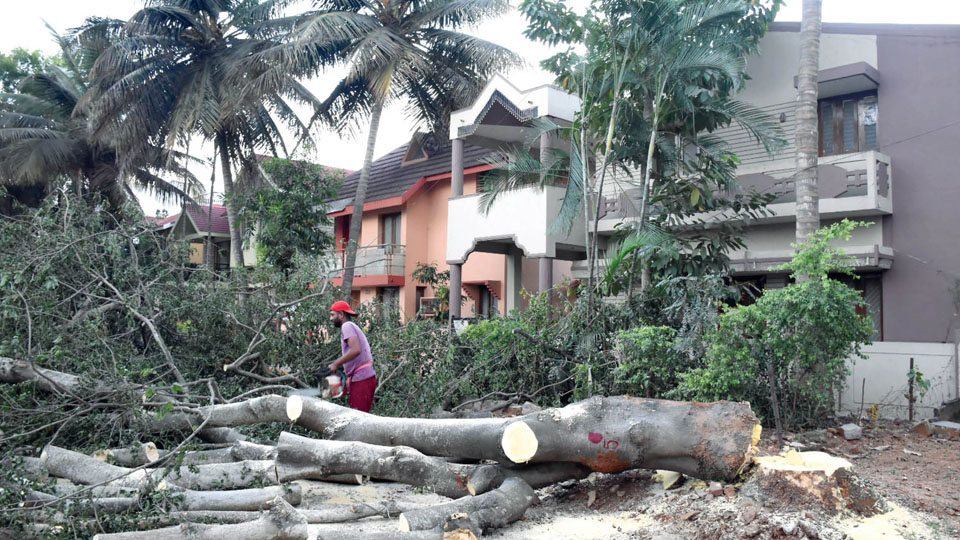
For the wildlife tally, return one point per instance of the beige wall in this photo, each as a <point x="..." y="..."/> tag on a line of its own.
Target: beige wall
<point x="772" y="70"/>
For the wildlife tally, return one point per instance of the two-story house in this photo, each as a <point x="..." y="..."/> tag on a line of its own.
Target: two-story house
<point x="889" y="122"/>
<point x="411" y="216"/>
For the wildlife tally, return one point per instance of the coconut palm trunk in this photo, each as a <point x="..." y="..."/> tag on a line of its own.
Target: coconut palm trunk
<point x="356" y="219"/>
<point x="236" y="242"/>
<point x="808" y="214"/>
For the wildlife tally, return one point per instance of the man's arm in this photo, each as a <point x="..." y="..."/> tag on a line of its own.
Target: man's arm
<point x="353" y="351"/>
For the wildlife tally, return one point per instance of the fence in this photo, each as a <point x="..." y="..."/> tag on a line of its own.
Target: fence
<point x="881" y="379"/>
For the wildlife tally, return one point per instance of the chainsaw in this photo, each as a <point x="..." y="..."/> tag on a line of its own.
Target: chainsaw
<point x="331" y="385"/>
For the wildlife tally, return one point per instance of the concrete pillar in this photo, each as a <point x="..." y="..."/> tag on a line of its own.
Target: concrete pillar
<point x="546" y="274"/>
<point x="547" y="141"/>
<point x="514" y="279"/>
<point x="456" y="168"/>
<point x="456" y="290"/>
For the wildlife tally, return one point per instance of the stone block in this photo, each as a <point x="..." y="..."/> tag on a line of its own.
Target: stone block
<point x="851" y="432"/>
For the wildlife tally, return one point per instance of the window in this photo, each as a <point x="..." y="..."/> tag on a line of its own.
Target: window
<point x="390" y="229"/>
<point x="421" y="292"/>
<point x="848" y="124"/>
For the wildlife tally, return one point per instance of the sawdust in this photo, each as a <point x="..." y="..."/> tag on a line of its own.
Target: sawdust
<point x="898" y="523"/>
<point x="803" y="461"/>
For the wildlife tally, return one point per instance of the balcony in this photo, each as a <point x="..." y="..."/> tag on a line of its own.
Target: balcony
<point x="850" y="185"/>
<point x="524" y="218"/>
<point x="378" y="265"/>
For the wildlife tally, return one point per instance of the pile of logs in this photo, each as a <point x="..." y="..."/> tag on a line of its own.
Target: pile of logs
<point x="488" y="467"/>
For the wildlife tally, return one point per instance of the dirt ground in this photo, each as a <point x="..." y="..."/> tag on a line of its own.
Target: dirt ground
<point x="923" y="492"/>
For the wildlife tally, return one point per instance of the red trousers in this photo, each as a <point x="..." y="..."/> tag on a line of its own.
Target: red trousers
<point x="361" y="394"/>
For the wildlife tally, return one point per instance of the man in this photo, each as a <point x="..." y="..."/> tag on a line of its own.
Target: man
<point x="356" y="358"/>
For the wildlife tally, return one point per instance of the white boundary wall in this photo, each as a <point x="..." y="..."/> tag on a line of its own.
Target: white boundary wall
<point x="882" y="377"/>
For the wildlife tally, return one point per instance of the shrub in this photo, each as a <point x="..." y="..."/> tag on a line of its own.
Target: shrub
<point x="805" y="332"/>
<point x="649" y="363"/>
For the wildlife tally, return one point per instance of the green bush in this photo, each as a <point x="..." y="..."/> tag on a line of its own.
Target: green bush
<point x="649" y="363"/>
<point x="805" y="332"/>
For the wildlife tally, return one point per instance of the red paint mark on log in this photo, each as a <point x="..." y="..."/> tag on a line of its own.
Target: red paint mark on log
<point x="595" y="438"/>
<point x="607" y="462"/>
<point x="611" y="445"/>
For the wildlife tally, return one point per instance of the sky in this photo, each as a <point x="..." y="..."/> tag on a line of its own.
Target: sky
<point x="23" y="26"/>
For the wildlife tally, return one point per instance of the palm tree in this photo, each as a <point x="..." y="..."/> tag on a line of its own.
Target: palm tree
<point x="805" y="179"/>
<point x="182" y="68"/>
<point x="655" y="76"/>
<point x="44" y="141"/>
<point x="403" y="50"/>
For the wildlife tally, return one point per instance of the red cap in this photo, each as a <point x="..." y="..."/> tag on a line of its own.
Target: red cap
<point x="340" y="305"/>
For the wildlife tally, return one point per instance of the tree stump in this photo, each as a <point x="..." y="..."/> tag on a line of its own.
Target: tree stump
<point x="798" y="479"/>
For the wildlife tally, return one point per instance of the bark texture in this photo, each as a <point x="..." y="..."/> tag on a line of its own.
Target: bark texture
<point x="236" y="475"/>
<point x="807" y="136"/>
<point x="493" y="509"/>
<point x="238" y="499"/>
<point x="359" y="198"/>
<point x="612" y="434"/>
<point x="280" y="522"/>
<point x="606" y="434"/>
<point x="300" y="457"/>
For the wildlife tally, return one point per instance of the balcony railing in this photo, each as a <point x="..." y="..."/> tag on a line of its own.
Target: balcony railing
<point x="857" y="184"/>
<point x="849" y="185"/>
<point x="372" y="260"/>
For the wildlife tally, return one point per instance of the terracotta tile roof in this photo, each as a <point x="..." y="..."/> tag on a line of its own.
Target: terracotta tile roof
<point x="389" y="177"/>
<point x="199" y="215"/>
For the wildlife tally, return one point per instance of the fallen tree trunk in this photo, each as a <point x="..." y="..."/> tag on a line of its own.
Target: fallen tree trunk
<point x="612" y="434"/>
<point x="244" y="450"/>
<point x="83" y="469"/>
<point x="281" y="522"/>
<point x="330" y="513"/>
<point x="354" y="534"/>
<point x="208" y="457"/>
<point x="300" y="457"/>
<point x="246" y="500"/>
<point x="234" y="475"/>
<point x="607" y="434"/>
<point x="493" y="509"/>
<point x="133" y="456"/>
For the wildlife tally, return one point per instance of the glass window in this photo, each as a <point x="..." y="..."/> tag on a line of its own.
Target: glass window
<point x="848" y="124"/>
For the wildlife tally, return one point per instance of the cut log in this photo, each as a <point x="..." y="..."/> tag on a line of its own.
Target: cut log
<point x="301" y="457"/>
<point x="281" y="522"/>
<point x="133" y="456"/>
<point x="325" y="513"/>
<point x="354" y="534"/>
<point x="710" y="441"/>
<point x="235" y="475"/>
<point x="815" y="479"/>
<point x="245" y="450"/>
<point x="493" y="509"/>
<point x="607" y="434"/>
<point x="237" y="499"/>
<point x="540" y="475"/>
<point x="208" y="457"/>
<point x="16" y="371"/>
<point x="83" y="469"/>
